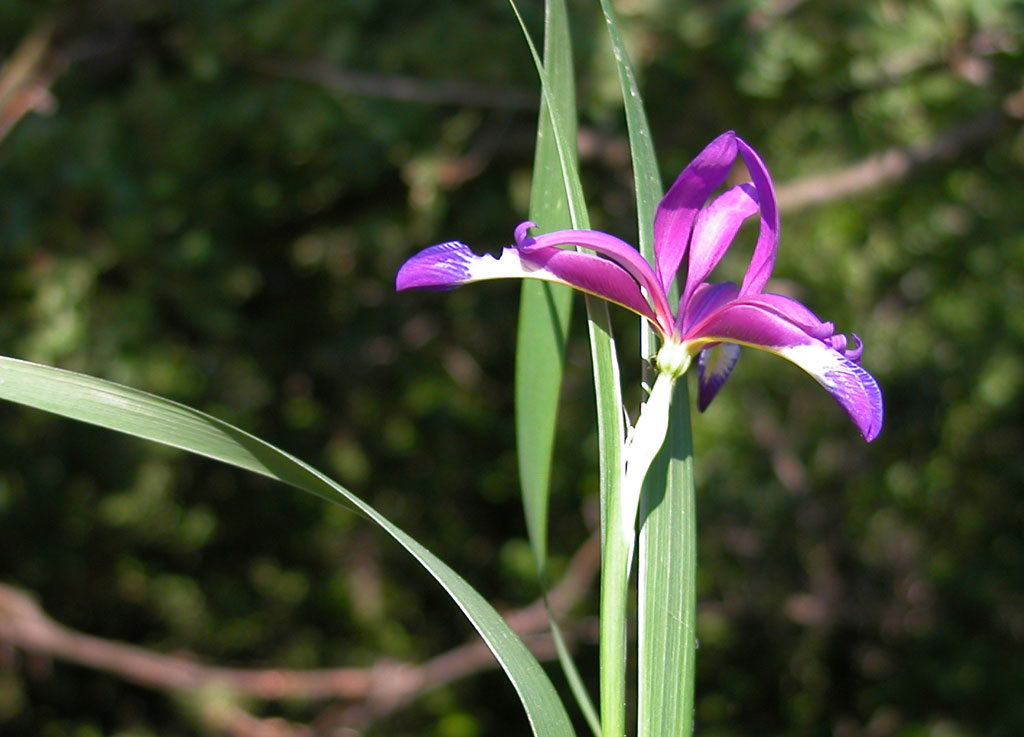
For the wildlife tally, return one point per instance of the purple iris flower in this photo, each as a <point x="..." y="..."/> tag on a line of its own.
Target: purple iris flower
<point x="711" y="320"/>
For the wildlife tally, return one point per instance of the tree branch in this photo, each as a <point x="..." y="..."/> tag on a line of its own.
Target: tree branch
<point x="396" y="86"/>
<point x="885" y="168"/>
<point x="25" y="79"/>
<point x="381" y="688"/>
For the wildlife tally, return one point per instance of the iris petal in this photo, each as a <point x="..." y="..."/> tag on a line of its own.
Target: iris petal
<point x="748" y="324"/>
<point x="452" y="264"/>
<point x="613" y="248"/>
<point x="714" y="365"/>
<point x="849" y="383"/>
<point x="706" y="299"/>
<point x="763" y="261"/>
<point x="444" y="266"/>
<point x="674" y="218"/>
<point x="592" y="274"/>
<point x="714" y="231"/>
<point x="856" y="351"/>
<point x="795" y="312"/>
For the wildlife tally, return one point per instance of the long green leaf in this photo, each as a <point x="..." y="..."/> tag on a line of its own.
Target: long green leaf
<point x="646" y="178"/>
<point x="544" y="313"/>
<point x="607" y="387"/>
<point x="146" y="416"/>
<point x="668" y="546"/>
<point x="556" y="202"/>
<point x="545" y="308"/>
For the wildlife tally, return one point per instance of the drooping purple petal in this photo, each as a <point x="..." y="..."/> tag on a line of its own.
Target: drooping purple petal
<point x="763" y="262"/>
<point x="673" y="220"/>
<point x="810" y="323"/>
<point x="849" y="383"/>
<point x="748" y="324"/>
<point x="592" y="274"/>
<point x="613" y="248"/>
<point x="453" y="264"/>
<point x="794" y="311"/>
<point x="714" y="364"/>
<point x="714" y="231"/>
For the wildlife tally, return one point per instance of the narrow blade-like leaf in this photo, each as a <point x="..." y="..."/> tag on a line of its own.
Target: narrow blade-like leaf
<point x="544" y="308"/>
<point x="544" y="313"/>
<point x="646" y="178"/>
<point x="562" y="119"/>
<point x="146" y="416"/>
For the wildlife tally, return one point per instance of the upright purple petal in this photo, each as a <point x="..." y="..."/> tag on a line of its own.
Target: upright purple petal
<point x="673" y="220"/>
<point x="714" y="365"/>
<point x="705" y="299"/>
<point x="714" y="231"/>
<point x="763" y="262"/>
<point x="753" y="325"/>
<point x="452" y="264"/>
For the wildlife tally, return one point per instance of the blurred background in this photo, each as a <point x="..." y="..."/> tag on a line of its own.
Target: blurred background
<point x="209" y="201"/>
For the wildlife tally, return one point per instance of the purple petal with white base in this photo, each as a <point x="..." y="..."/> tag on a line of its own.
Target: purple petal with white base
<point x="453" y="264"/>
<point x="849" y="383"/>
<point x="854" y="388"/>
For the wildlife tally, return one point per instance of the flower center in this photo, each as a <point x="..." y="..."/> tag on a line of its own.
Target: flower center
<point x="672" y="359"/>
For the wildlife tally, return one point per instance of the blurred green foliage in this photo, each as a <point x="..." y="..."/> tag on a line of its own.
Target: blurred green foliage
<point x="199" y="219"/>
